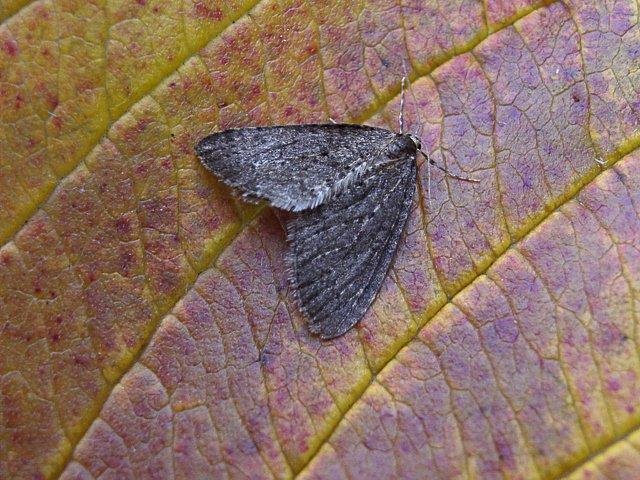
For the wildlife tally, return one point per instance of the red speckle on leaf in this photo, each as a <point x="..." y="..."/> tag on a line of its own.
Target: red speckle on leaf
<point x="43" y="12"/>
<point x="167" y="164"/>
<point x="303" y="445"/>
<point x="142" y="124"/>
<point x="37" y="228"/>
<point x="575" y="96"/>
<point x="184" y="145"/>
<point x="5" y="259"/>
<point x="141" y="2"/>
<point x="19" y="102"/>
<point x="130" y="341"/>
<point x="154" y="213"/>
<point x="52" y="100"/>
<point x="255" y="91"/>
<point x="203" y="11"/>
<point x="10" y="47"/>
<point x="237" y="86"/>
<point x="141" y="169"/>
<point x="55" y="337"/>
<point x="214" y="223"/>
<point x="123" y="226"/>
<point x="167" y="282"/>
<point x="81" y="360"/>
<point x="231" y="43"/>
<point x="85" y="86"/>
<point x="57" y="122"/>
<point x="203" y="191"/>
<point x="186" y="84"/>
<point x="613" y="385"/>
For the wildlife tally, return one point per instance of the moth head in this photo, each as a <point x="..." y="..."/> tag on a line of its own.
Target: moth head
<point x="403" y="145"/>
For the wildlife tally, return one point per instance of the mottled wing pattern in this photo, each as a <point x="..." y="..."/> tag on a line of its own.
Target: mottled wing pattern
<point x="293" y="167"/>
<point x="341" y="251"/>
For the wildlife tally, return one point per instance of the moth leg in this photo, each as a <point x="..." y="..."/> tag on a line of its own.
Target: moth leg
<point x="447" y="172"/>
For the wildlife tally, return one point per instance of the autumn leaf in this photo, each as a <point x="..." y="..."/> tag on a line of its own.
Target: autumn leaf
<point x="147" y="327"/>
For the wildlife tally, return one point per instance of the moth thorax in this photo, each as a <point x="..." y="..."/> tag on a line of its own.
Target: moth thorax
<point x="402" y="146"/>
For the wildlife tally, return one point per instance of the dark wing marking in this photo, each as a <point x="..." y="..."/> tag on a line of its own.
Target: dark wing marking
<point x="341" y="251"/>
<point x="293" y="167"/>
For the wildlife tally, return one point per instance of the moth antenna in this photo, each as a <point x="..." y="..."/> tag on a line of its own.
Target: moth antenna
<point x="428" y="179"/>
<point x="401" y="115"/>
<point x="405" y="82"/>
<point x="447" y="172"/>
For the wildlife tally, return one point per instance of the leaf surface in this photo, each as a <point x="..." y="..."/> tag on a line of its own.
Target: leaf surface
<point x="147" y="328"/>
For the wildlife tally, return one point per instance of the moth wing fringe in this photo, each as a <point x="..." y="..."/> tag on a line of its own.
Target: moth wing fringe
<point x="290" y="272"/>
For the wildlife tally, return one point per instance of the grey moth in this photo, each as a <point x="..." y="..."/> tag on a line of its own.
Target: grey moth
<point x="350" y="188"/>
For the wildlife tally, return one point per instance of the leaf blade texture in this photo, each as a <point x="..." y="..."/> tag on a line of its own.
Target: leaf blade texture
<point x="146" y="325"/>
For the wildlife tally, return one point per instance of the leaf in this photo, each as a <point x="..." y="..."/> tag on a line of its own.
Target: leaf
<point x="147" y="330"/>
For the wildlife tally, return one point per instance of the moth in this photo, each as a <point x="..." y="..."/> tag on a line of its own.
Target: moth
<point x="350" y="189"/>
